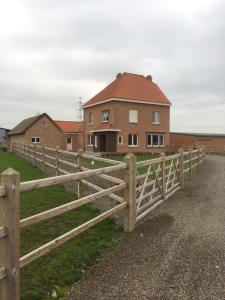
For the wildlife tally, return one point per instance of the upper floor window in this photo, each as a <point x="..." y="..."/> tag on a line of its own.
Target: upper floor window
<point x="90" y="118"/>
<point x="132" y="140"/>
<point x="155" y="117"/>
<point x="133" y="116"/>
<point x="105" y="116"/>
<point x="35" y="140"/>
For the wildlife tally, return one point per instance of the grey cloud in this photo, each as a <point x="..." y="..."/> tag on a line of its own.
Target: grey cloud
<point x="74" y="48"/>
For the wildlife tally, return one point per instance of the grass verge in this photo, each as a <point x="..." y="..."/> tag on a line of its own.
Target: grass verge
<point x="52" y="274"/>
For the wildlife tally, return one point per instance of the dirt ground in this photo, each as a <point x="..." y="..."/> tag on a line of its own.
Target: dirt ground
<point x="177" y="252"/>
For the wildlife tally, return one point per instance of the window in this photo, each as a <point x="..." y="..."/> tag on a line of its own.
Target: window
<point x="90" y="118"/>
<point x="120" y="139"/>
<point x="35" y="140"/>
<point x="96" y="141"/>
<point x="132" y="140"/>
<point x="90" y="140"/>
<point x="133" y="116"/>
<point x="105" y="116"/>
<point x="69" y="140"/>
<point x="155" y="117"/>
<point x="155" y="140"/>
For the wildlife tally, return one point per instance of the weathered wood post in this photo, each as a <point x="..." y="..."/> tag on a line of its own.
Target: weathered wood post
<point x="43" y="157"/>
<point x="130" y="192"/>
<point x="35" y="161"/>
<point x="198" y="162"/>
<point x="57" y="161"/>
<point x="181" y="159"/>
<point x="10" y="244"/>
<point x="190" y="163"/>
<point x="79" y="169"/>
<point x="163" y="172"/>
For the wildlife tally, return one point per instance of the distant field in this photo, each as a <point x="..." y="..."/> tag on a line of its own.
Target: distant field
<point x="65" y="265"/>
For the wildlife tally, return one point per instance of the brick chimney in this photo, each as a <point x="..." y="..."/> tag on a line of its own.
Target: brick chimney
<point x="149" y="77"/>
<point x="118" y="75"/>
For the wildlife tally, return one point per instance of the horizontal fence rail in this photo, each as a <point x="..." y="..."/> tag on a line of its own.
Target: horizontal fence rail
<point x="158" y="180"/>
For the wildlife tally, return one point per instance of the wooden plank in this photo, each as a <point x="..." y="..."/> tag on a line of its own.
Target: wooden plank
<point x="48" y="214"/>
<point x="106" y="177"/>
<point x="79" y="169"/>
<point x="68" y="163"/>
<point x="50" y="165"/>
<point x="50" y="157"/>
<point x="150" y="203"/>
<point x="10" y="246"/>
<point x="130" y="192"/>
<point x="147" y="211"/>
<point x="57" y="161"/>
<point x="147" y="162"/>
<point x="40" y="183"/>
<point x="106" y="160"/>
<point x="68" y="153"/>
<point x="97" y="188"/>
<point x="26" y="259"/>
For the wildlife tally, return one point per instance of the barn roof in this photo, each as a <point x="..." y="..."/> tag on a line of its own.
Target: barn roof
<point x="133" y="87"/>
<point x="25" y="124"/>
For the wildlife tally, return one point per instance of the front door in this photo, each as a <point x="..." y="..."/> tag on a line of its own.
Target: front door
<point x="69" y="144"/>
<point x="102" y="143"/>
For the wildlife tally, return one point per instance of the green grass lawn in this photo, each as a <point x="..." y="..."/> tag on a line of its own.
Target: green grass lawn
<point x="65" y="265"/>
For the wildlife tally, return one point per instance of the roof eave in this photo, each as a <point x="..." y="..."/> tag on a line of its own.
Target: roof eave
<point x="127" y="100"/>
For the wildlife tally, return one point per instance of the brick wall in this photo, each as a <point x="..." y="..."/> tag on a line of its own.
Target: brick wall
<point x="119" y="118"/>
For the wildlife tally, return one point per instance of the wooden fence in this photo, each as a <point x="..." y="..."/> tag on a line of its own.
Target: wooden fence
<point x="141" y="193"/>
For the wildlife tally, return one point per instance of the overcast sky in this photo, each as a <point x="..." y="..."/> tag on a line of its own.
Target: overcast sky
<point x="54" y="51"/>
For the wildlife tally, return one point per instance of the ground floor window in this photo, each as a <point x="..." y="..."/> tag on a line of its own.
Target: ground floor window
<point x="35" y="140"/>
<point x="155" y="140"/>
<point x="132" y="140"/>
<point x="90" y="139"/>
<point x="120" y="139"/>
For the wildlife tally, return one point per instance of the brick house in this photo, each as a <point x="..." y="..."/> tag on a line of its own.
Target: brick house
<point x="131" y="114"/>
<point x="212" y="142"/>
<point x="42" y="129"/>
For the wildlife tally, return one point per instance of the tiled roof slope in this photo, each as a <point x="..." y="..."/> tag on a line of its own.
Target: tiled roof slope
<point x="70" y="126"/>
<point x="24" y="125"/>
<point x="129" y="86"/>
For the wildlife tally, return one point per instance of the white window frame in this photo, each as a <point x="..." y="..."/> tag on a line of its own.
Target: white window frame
<point x="105" y="116"/>
<point x="133" y="116"/>
<point x="35" y="138"/>
<point x="155" y="120"/>
<point x="90" y="139"/>
<point x="92" y="118"/>
<point x="159" y="136"/>
<point x="96" y="141"/>
<point x="132" y="134"/>
<point x="120" y="137"/>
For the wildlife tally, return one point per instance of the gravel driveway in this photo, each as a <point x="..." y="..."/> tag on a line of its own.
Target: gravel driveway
<point x="177" y="252"/>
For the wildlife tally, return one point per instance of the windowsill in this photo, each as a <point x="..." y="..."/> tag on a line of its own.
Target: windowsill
<point x="89" y="145"/>
<point x="155" y="123"/>
<point x="133" y="146"/>
<point x="105" y="121"/>
<point x="90" y="124"/>
<point x="155" y="146"/>
<point x="133" y="122"/>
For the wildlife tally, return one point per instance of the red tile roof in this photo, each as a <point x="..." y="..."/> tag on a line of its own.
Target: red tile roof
<point x="70" y="126"/>
<point x="134" y="87"/>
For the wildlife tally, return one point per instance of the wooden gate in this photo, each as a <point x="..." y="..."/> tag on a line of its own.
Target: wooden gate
<point x="162" y="177"/>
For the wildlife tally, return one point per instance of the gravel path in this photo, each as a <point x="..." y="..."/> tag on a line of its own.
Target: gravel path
<point x="177" y="252"/>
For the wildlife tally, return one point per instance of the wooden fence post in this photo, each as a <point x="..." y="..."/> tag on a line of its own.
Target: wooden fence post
<point x="43" y="157"/>
<point x="10" y="244"/>
<point x="35" y="161"/>
<point x="199" y="157"/>
<point x="57" y="161"/>
<point x="79" y="169"/>
<point x="163" y="172"/>
<point x="190" y="163"/>
<point x="130" y="193"/>
<point x="181" y="158"/>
